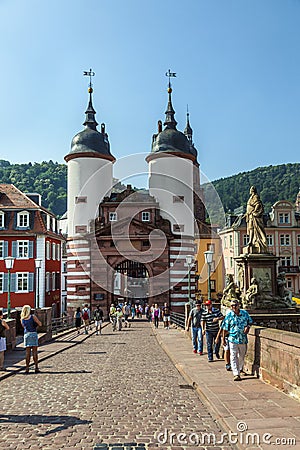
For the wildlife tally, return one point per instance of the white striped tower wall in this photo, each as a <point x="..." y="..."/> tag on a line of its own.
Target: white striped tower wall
<point x="89" y="181"/>
<point x="79" y="272"/>
<point x="171" y="177"/>
<point x="179" y="249"/>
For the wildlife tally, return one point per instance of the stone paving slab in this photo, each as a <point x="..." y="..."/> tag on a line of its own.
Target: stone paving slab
<point x="118" y="388"/>
<point x="251" y="405"/>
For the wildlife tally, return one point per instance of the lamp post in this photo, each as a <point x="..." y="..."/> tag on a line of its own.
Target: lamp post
<point x="9" y="264"/>
<point x="208" y="259"/>
<point x="189" y="261"/>
<point x="38" y="265"/>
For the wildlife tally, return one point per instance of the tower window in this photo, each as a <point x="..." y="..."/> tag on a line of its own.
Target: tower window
<point x="112" y="216"/>
<point x="178" y="228"/>
<point x="80" y="200"/>
<point x="145" y="216"/>
<point x="178" y="198"/>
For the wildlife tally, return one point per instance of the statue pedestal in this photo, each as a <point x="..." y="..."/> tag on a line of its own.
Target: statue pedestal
<point x="261" y="266"/>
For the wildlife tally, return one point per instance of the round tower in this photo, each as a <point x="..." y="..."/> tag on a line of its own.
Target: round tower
<point x="89" y="181"/>
<point x="173" y="170"/>
<point x="89" y="173"/>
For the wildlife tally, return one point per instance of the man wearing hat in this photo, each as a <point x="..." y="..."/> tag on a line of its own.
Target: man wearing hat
<point x="195" y="318"/>
<point x="237" y="323"/>
<point x="210" y="328"/>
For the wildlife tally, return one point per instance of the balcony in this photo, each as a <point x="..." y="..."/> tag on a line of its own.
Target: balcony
<point x="289" y="269"/>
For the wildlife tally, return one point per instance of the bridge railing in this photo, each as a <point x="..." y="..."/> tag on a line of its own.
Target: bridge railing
<point x="178" y="319"/>
<point x="61" y="324"/>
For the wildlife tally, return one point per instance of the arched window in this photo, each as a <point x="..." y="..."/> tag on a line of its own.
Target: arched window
<point x="23" y="219"/>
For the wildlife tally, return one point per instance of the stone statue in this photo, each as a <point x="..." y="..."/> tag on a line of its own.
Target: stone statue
<point x="241" y="279"/>
<point x="251" y="296"/>
<point x="230" y="292"/>
<point x="255" y="226"/>
<point x="283" y="292"/>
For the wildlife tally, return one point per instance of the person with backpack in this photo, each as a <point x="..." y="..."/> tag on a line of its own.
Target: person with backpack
<point x="98" y="318"/>
<point x="3" y="327"/>
<point x="86" y="316"/>
<point x="78" y="319"/>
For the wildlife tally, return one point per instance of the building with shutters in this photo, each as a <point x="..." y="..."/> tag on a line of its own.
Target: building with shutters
<point x="28" y="231"/>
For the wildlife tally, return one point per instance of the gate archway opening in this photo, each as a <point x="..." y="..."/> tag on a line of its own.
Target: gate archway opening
<point x="131" y="283"/>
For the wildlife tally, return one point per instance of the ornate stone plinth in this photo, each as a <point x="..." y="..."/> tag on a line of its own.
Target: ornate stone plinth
<point x="259" y="266"/>
<point x="260" y="286"/>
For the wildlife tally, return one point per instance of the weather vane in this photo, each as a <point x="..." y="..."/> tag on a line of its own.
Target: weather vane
<point x="170" y="74"/>
<point x="90" y="74"/>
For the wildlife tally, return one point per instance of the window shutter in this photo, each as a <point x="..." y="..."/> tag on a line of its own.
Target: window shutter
<point x="31" y="219"/>
<point x="14" y="249"/>
<point x="5" y="282"/>
<point x="13" y="282"/>
<point x="30" y="281"/>
<point x="15" y="220"/>
<point x="30" y="250"/>
<point x="5" y="249"/>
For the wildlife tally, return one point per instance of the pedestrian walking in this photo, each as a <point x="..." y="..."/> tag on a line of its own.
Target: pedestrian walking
<point x="30" y="323"/>
<point x="166" y="316"/>
<point x="156" y="315"/>
<point x="126" y="314"/>
<point x="78" y="319"/>
<point x="98" y="318"/>
<point x="225" y="344"/>
<point x="119" y="316"/>
<point x="210" y="329"/>
<point x="194" y="319"/>
<point x="132" y="311"/>
<point x="3" y="327"/>
<point x="237" y="323"/>
<point x="86" y="316"/>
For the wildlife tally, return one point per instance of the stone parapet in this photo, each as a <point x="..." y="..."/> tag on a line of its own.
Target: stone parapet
<point x="274" y="356"/>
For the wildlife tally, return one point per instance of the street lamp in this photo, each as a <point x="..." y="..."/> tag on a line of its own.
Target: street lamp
<point x="189" y="261"/>
<point x="38" y="265"/>
<point x="208" y="259"/>
<point x="9" y="264"/>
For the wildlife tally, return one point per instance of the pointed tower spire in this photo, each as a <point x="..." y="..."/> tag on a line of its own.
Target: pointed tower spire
<point x="170" y="121"/>
<point x="188" y="129"/>
<point x="90" y="120"/>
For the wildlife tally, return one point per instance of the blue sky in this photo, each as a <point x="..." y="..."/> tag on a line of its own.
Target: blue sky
<point x="237" y="65"/>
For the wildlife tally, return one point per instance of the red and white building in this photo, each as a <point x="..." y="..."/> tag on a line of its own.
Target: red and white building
<point x="29" y="232"/>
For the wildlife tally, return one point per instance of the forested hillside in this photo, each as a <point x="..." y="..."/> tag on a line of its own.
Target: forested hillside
<point x="49" y="179"/>
<point x="273" y="183"/>
<point x="46" y="178"/>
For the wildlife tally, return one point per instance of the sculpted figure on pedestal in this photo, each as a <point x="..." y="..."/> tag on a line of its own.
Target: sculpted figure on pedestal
<point x="255" y="226"/>
<point x="230" y="292"/>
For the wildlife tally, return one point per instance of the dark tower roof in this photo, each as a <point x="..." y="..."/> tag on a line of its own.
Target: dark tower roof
<point x="90" y="142"/>
<point x="171" y="140"/>
<point x="188" y="129"/>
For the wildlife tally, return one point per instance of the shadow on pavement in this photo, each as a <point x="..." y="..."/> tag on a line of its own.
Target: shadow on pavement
<point x="37" y="419"/>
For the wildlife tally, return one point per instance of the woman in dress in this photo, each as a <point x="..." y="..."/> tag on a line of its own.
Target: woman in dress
<point x="3" y="327"/>
<point x="30" y="322"/>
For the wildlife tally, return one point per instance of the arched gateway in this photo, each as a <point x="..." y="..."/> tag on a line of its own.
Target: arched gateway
<point x="131" y="283"/>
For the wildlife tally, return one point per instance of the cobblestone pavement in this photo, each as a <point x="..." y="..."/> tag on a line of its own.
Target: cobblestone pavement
<point x="112" y="389"/>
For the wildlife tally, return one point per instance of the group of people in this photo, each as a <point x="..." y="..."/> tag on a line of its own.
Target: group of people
<point x="231" y="334"/>
<point x="83" y="316"/>
<point x="154" y="314"/>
